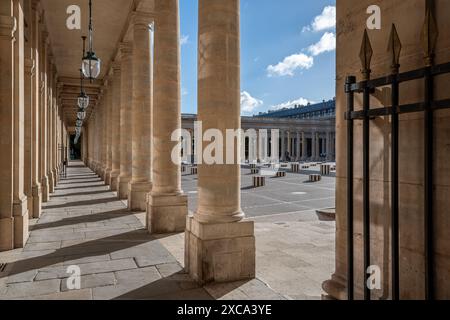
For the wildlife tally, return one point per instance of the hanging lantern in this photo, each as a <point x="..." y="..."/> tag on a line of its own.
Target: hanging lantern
<point x="79" y="123"/>
<point x="83" y="101"/>
<point x="91" y="65"/>
<point x="81" y="115"/>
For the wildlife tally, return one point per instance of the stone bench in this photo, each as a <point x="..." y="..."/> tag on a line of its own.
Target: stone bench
<point x="259" y="181"/>
<point x="254" y="171"/>
<point x="305" y="167"/>
<point x="325" y="169"/>
<point x="252" y="166"/>
<point x="194" y="170"/>
<point x="315" y="177"/>
<point x="295" y="167"/>
<point x="281" y="174"/>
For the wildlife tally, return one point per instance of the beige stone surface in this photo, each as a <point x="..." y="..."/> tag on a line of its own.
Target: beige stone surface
<point x="408" y="17"/>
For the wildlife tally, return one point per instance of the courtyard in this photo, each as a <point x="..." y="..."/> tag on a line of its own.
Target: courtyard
<point x="85" y="225"/>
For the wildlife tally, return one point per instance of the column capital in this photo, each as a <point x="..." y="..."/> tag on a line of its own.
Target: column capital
<point x="116" y="67"/>
<point x="126" y="49"/>
<point x="8" y="26"/>
<point x="36" y="5"/>
<point x="142" y="19"/>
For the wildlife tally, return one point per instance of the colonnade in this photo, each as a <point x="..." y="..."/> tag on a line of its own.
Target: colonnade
<point x="299" y="145"/>
<point x="33" y="135"/>
<point x="129" y="135"/>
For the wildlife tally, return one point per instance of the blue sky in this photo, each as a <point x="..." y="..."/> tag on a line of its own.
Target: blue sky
<point x="287" y="53"/>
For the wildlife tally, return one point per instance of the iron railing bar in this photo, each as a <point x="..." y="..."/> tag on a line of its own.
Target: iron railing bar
<point x="366" y="189"/>
<point x="402" y="77"/>
<point x="350" y="241"/>
<point x="428" y="197"/>
<point x="402" y="109"/>
<point x="395" y="191"/>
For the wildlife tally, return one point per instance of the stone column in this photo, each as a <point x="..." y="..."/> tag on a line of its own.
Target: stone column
<point x="289" y="144"/>
<point x="108" y="129"/>
<point x="50" y="110"/>
<point x="283" y="145"/>
<point x="7" y="30"/>
<point x="20" y="208"/>
<point x="115" y="124"/>
<point x="104" y="140"/>
<point x="126" y="97"/>
<point x="35" y="145"/>
<point x="28" y="130"/>
<point x="55" y="131"/>
<point x="317" y="146"/>
<point x="220" y="246"/>
<point x="304" y="147"/>
<point x="298" y="155"/>
<point x="43" y="114"/>
<point x="167" y="204"/>
<point x="140" y="183"/>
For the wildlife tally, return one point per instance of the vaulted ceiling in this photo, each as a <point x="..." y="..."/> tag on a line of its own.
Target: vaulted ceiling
<point x="110" y="18"/>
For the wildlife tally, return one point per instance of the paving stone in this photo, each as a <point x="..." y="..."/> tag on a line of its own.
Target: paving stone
<point x="82" y="295"/>
<point x="92" y="281"/>
<point x="30" y="289"/>
<point x="88" y="268"/>
<point x="27" y="276"/>
<point x="43" y="246"/>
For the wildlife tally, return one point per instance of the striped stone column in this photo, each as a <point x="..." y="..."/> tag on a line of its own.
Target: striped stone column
<point x="219" y="245"/>
<point x="140" y="184"/>
<point x="115" y="126"/>
<point x="167" y="204"/>
<point x="126" y="97"/>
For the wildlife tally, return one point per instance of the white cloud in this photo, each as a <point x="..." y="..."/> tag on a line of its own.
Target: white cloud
<point x="184" y="39"/>
<point x="326" y="43"/>
<point x="291" y="104"/>
<point x="290" y="64"/>
<point x="249" y="103"/>
<point x="184" y="92"/>
<point x="326" y="20"/>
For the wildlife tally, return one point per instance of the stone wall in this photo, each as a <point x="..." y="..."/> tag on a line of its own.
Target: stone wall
<point x="408" y="17"/>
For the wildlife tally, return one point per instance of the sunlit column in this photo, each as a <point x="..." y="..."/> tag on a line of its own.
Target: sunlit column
<point x="35" y="145"/>
<point x="126" y="97"/>
<point x="7" y="65"/>
<point x="115" y="124"/>
<point x="20" y="205"/>
<point x="219" y="245"/>
<point x="167" y="204"/>
<point x="140" y="184"/>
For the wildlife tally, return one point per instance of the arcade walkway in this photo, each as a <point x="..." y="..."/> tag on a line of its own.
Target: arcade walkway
<point x="85" y="225"/>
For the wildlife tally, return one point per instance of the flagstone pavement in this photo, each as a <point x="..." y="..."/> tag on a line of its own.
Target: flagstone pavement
<point x="85" y="227"/>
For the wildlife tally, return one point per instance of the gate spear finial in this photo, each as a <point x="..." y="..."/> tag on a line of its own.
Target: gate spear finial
<point x="430" y="33"/>
<point x="394" y="49"/>
<point x="366" y="56"/>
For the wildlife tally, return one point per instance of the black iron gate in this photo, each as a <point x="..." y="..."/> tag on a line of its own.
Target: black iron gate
<point x="428" y="106"/>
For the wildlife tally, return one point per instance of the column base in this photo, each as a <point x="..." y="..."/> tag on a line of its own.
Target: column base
<point x="166" y="214"/>
<point x="45" y="190"/>
<point x="137" y="195"/>
<point x="30" y="205"/>
<point x="56" y="177"/>
<point x="336" y="287"/>
<point x="6" y="234"/>
<point x="51" y="182"/>
<point x="221" y="252"/>
<point x="102" y="172"/>
<point x="37" y="201"/>
<point x="114" y="181"/>
<point x="122" y="187"/>
<point x="21" y="222"/>
<point x="108" y="177"/>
